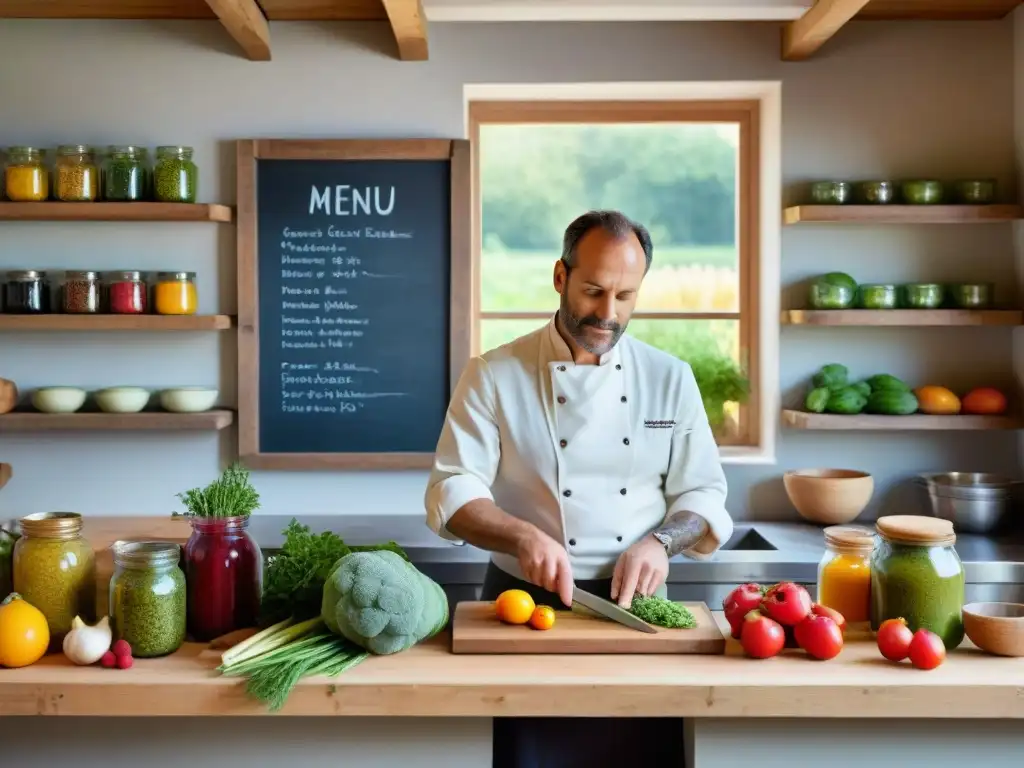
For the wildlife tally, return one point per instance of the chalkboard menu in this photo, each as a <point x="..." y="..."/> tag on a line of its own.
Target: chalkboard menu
<point x="353" y="299"/>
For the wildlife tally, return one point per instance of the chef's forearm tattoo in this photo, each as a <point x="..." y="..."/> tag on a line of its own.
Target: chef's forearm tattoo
<point x="682" y="531"/>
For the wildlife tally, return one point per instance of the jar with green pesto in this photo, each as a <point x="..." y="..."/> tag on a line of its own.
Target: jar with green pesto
<point x="125" y="174"/>
<point x="916" y="574"/>
<point x="55" y="570"/>
<point x="147" y="597"/>
<point x="175" y="175"/>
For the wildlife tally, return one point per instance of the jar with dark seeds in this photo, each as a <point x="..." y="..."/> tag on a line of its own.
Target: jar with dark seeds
<point x="26" y="292"/>
<point x="80" y="293"/>
<point x="125" y="174"/>
<point x="175" y="176"/>
<point x="76" y="175"/>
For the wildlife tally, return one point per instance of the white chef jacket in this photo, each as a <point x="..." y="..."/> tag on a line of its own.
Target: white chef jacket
<point x="596" y="456"/>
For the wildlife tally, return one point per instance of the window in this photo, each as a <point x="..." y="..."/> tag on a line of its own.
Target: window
<point x="687" y="170"/>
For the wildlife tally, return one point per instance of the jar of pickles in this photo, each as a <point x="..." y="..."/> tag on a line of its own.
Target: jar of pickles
<point x="844" y="573"/>
<point x="26" y="292"/>
<point x="26" y="178"/>
<point x="916" y="574"/>
<point x="55" y="570"/>
<point x="125" y="174"/>
<point x="76" y="175"/>
<point x="126" y="293"/>
<point x="80" y="293"/>
<point x="147" y="597"/>
<point x="175" y="176"/>
<point x="175" y="293"/>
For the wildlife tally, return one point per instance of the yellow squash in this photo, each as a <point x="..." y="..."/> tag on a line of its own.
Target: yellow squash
<point x="937" y="401"/>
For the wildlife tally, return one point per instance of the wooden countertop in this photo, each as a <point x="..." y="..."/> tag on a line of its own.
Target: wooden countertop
<point x="429" y="681"/>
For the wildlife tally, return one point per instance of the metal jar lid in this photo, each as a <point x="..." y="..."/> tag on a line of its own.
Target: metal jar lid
<point x="81" y="276"/>
<point x="25" y="275"/>
<point x="128" y="276"/>
<point x="179" y="276"/>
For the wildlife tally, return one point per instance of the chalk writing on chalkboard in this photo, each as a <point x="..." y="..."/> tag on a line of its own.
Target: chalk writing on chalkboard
<point x="354" y="301"/>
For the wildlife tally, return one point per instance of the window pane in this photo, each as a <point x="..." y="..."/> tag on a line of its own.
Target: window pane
<point x="677" y="179"/>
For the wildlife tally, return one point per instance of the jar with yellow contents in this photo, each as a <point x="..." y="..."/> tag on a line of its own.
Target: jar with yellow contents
<point x="175" y="293"/>
<point x="26" y="177"/>
<point x="844" y="573"/>
<point x="76" y="174"/>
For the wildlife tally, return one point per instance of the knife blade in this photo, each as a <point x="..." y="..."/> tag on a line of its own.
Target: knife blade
<point x="610" y="611"/>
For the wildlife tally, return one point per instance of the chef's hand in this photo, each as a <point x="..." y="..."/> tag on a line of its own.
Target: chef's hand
<point x="641" y="568"/>
<point x="545" y="563"/>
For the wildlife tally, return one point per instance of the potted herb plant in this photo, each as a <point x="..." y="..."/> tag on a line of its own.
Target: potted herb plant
<point x="721" y="381"/>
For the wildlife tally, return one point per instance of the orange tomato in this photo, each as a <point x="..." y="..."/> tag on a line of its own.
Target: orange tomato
<point x="24" y="635"/>
<point x="937" y="400"/>
<point x="542" y="617"/>
<point x="514" y="606"/>
<point x="984" y="400"/>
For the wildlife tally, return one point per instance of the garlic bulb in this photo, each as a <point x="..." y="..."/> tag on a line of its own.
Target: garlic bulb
<point x="85" y="645"/>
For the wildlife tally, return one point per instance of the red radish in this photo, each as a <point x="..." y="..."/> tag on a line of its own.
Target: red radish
<point x="823" y="610"/>
<point x="894" y="637"/>
<point x="121" y="648"/>
<point x="787" y="603"/>
<point x="739" y="602"/>
<point x="124" y="662"/>
<point x="926" y="650"/>
<point x="108" y="660"/>
<point x="820" y="636"/>
<point x="761" y="637"/>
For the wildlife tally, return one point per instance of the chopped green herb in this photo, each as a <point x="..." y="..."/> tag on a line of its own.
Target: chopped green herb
<point x="662" y="612"/>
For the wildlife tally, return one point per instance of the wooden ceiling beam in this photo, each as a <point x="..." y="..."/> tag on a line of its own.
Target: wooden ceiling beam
<point x="245" y="22"/>
<point x="410" y="28"/>
<point x="801" y="38"/>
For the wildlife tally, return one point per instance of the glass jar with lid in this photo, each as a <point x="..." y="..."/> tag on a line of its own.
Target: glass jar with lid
<point x="26" y="177"/>
<point x="175" y="293"/>
<point x="55" y="570"/>
<point x="844" y="573"/>
<point x="224" y="573"/>
<point x="147" y="597"/>
<point x="80" y="293"/>
<point x="26" y="292"/>
<point x="125" y="174"/>
<point x="917" y="574"/>
<point x="76" y="175"/>
<point x="175" y="175"/>
<point x="126" y="293"/>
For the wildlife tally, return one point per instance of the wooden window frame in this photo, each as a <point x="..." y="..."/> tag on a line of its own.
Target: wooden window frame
<point x="747" y="115"/>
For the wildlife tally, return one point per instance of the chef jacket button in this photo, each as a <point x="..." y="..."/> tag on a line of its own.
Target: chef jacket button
<point x="561" y="367"/>
<point x="563" y="443"/>
<point x="618" y="367"/>
<point x="622" y="491"/>
<point x="618" y="538"/>
<point x="561" y="400"/>
<point x="572" y="542"/>
<point x="625" y="441"/>
<point x="623" y="398"/>
<point x="567" y="492"/>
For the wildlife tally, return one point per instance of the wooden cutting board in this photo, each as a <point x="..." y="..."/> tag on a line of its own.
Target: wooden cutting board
<point x="475" y="629"/>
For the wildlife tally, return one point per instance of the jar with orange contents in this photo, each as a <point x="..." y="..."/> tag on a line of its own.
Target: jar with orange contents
<point x="844" y="573"/>
<point x="175" y="293"/>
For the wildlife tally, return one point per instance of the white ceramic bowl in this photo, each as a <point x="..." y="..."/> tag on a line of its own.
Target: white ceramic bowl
<point x="122" y="399"/>
<point x="58" y="399"/>
<point x="188" y="399"/>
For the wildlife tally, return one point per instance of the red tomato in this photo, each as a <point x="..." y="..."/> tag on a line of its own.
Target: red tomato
<point x="984" y="400"/>
<point x="761" y="637"/>
<point x="820" y="636"/>
<point x="894" y="638"/>
<point x="787" y="603"/>
<point x="738" y="603"/>
<point x="926" y="650"/>
<point x="832" y="613"/>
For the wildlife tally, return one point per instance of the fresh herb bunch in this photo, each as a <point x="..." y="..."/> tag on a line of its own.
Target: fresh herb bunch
<point x="230" y="495"/>
<point x="662" y="613"/>
<point x="293" y="581"/>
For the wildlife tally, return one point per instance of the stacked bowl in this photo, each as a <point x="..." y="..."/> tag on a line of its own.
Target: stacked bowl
<point x="975" y="502"/>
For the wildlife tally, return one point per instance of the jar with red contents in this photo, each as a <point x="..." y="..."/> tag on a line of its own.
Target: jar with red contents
<point x="127" y="293"/>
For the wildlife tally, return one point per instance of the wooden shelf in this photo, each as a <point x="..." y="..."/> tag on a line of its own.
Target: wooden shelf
<point x="902" y="317"/>
<point x="917" y="421"/>
<point x="115" y="322"/>
<point x="903" y="214"/>
<point x="147" y="420"/>
<point x="56" y="211"/>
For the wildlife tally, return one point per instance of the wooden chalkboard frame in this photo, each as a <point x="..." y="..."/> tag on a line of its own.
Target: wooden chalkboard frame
<point x="249" y="153"/>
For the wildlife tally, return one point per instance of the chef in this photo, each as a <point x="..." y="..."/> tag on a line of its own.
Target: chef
<point x="577" y="455"/>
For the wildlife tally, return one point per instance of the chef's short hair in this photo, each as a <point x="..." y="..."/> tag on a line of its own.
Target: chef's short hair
<point x="614" y="223"/>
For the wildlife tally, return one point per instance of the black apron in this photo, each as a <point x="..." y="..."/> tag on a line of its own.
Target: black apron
<point x="578" y="742"/>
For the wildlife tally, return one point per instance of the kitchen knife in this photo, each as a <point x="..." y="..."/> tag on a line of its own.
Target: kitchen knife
<point x="610" y="610"/>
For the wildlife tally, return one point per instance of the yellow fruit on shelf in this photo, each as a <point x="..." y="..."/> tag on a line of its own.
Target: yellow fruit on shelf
<point x="937" y="401"/>
<point x="514" y="606"/>
<point x="24" y="635"/>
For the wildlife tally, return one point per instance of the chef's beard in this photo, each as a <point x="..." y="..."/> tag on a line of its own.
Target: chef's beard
<point x="576" y="327"/>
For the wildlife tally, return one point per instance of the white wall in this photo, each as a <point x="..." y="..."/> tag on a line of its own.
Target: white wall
<point x="882" y="99"/>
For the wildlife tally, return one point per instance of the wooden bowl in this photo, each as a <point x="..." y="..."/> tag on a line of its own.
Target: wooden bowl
<point x="996" y="627"/>
<point x="829" y="496"/>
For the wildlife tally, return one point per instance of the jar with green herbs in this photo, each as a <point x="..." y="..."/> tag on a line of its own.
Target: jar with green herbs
<point x="175" y="176"/>
<point x="916" y="574"/>
<point x="125" y="174"/>
<point x="147" y="597"/>
<point x="26" y="177"/>
<point x="76" y="174"/>
<point x="55" y="570"/>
